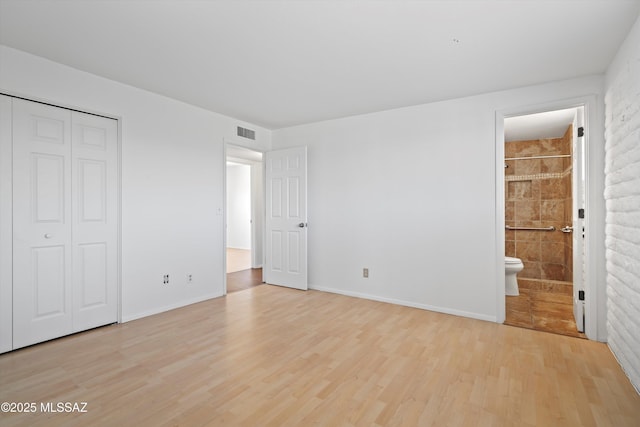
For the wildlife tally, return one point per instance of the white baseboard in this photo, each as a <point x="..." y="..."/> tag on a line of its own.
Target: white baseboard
<point x="159" y="310"/>
<point x="407" y="303"/>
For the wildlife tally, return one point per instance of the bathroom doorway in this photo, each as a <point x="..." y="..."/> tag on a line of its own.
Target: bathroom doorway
<point x="244" y="218"/>
<point x="544" y="184"/>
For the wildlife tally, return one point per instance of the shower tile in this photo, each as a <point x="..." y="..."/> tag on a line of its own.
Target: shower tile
<point x="527" y="211"/>
<point x="551" y="146"/>
<point x="526" y="148"/>
<point x="531" y="270"/>
<point x="552" y="189"/>
<point x="552" y="165"/>
<point x="510" y="169"/>
<point x="568" y="274"/>
<point x="556" y="235"/>
<point x="529" y="284"/>
<point x="540" y="203"/>
<point x="552" y="271"/>
<point x="567" y="141"/>
<point x="535" y="189"/>
<point x="510" y="149"/>
<point x="520" y="315"/>
<point x="555" y="325"/>
<point x="552" y="305"/>
<point x="567" y="186"/>
<point x="541" y="307"/>
<point x="527" y="167"/>
<point x="552" y="252"/>
<point x="568" y="211"/>
<point x="528" y="236"/>
<point x="559" y="287"/>
<point x="528" y="251"/>
<point x="552" y="210"/>
<point x="509" y="211"/>
<point x="510" y="248"/>
<point x="518" y="190"/>
<point x="568" y="237"/>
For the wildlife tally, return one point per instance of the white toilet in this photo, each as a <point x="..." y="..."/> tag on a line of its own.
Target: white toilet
<point x="512" y="266"/>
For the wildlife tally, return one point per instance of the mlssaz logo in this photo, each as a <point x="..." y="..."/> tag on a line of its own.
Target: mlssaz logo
<point x="63" y="407"/>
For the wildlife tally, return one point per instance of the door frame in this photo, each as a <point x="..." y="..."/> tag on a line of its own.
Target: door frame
<point x="6" y="222"/>
<point x="595" y="290"/>
<point x="254" y="232"/>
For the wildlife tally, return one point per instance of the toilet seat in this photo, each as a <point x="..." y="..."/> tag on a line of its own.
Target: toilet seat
<point x="511" y="260"/>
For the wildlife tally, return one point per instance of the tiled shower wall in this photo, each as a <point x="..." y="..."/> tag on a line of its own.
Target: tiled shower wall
<point x="538" y="194"/>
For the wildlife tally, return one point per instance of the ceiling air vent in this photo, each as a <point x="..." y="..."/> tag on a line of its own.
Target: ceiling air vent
<point x="246" y="133"/>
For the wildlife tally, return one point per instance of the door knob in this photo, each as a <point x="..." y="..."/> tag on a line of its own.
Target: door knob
<point x="48" y="236"/>
<point x="566" y="229"/>
<point x="302" y="225"/>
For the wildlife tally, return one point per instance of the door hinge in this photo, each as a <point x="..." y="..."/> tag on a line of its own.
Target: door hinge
<point x="580" y="131"/>
<point x="581" y="213"/>
<point x="581" y="295"/>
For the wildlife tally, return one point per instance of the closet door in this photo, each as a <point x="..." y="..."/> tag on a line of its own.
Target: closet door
<point x="6" y="225"/>
<point x="42" y="293"/>
<point x="65" y="222"/>
<point x="95" y="227"/>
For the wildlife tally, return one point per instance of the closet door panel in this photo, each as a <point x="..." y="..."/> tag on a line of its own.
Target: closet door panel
<point x="95" y="212"/>
<point x="6" y="225"/>
<point x="42" y="288"/>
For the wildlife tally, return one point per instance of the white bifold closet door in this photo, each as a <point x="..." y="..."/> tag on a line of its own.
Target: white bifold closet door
<point x="65" y="222"/>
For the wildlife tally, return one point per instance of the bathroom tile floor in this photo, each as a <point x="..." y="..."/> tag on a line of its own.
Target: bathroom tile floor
<point x="543" y="305"/>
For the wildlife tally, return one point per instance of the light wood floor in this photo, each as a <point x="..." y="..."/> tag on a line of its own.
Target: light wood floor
<point x="245" y="279"/>
<point x="271" y="356"/>
<point x="238" y="259"/>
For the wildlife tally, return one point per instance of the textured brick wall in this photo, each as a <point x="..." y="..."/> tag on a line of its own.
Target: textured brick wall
<point x="622" y="195"/>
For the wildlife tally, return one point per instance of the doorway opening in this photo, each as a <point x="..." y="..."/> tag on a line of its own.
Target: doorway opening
<point x="244" y="218"/>
<point x="544" y="193"/>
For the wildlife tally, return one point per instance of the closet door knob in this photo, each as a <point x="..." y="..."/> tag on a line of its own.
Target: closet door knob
<point x="48" y="236"/>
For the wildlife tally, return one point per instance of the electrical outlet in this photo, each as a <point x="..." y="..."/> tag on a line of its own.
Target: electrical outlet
<point x="365" y="272"/>
<point x="165" y="279"/>
<point x="189" y="278"/>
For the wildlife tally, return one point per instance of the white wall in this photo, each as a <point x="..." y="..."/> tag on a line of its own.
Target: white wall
<point x="622" y="194"/>
<point x="239" y="206"/>
<point x="411" y="194"/>
<point x="408" y="193"/>
<point x="172" y="179"/>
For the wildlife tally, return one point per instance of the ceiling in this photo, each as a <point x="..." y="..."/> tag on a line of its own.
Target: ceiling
<point x="283" y="63"/>
<point x="549" y="124"/>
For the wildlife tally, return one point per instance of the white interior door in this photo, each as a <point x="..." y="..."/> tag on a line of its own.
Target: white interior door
<point x="65" y="222"/>
<point x="42" y="293"/>
<point x="578" y="196"/>
<point x="6" y="225"/>
<point x="286" y="218"/>
<point x="95" y="227"/>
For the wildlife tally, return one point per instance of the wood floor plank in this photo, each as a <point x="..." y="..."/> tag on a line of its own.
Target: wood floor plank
<point x="238" y="259"/>
<point x="273" y="356"/>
